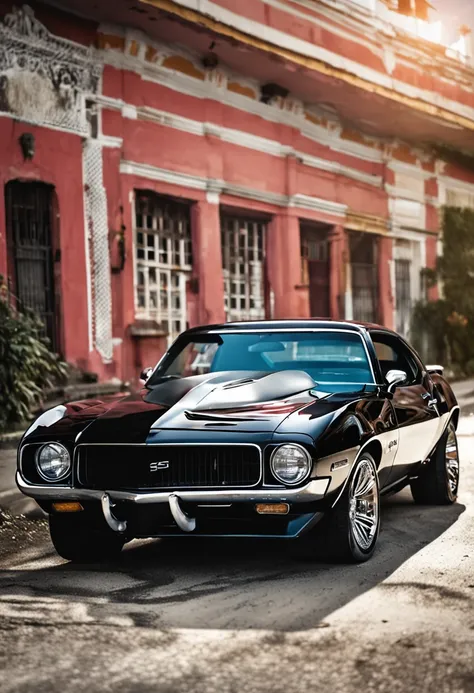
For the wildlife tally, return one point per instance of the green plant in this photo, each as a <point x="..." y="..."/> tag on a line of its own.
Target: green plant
<point x="443" y="330"/>
<point x="27" y="365"/>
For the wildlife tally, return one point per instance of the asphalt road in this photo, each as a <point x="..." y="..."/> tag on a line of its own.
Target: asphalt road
<point x="203" y="616"/>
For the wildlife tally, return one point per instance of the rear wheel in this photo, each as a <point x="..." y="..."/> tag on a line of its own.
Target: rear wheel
<point x="76" y="539"/>
<point x="350" y="530"/>
<point x="438" y="482"/>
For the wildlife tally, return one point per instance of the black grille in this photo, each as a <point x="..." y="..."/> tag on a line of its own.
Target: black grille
<point x="127" y="467"/>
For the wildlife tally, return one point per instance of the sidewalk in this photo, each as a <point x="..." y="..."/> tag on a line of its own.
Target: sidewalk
<point x="464" y="391"/>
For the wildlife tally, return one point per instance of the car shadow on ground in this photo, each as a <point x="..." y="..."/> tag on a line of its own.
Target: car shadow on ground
<point x="203" y="583"/>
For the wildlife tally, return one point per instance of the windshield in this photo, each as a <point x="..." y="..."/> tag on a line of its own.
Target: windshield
<point x="335" y="360"/>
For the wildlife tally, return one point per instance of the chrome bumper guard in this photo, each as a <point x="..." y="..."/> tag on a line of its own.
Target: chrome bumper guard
<point x="312" y="491"/>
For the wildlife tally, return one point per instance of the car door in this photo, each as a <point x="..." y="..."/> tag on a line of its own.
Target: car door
<point x="414" y="403"/>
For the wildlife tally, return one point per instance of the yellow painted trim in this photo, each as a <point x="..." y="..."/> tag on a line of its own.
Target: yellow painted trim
<point x="307" y="62"/>
<point x="355" y="221"/>
<point x="180" y="64"/>
<point x="241" y="89"/>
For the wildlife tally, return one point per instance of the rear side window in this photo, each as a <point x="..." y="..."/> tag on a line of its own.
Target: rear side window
<point x="392" y="354"/>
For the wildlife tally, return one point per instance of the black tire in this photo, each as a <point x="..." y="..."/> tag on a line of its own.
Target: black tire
<point x="76" y="539"/>
<point x="438" y="482"/>
<point x="335" y="538"/>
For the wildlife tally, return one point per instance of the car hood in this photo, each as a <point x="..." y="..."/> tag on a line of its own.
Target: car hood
<point x="230" y="402"/>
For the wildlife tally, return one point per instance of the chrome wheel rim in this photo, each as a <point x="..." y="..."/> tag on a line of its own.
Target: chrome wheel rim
<point x="452" y="462"/>
<point x="364" y="505"/>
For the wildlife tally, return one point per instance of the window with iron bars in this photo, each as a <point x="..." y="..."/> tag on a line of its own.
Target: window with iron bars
<point x="243" y="243"/>
<point x="314" y="248"/>
<point x="163" y="260"/>
<point x="403" y="295"/>
<point x="364" y="271"/>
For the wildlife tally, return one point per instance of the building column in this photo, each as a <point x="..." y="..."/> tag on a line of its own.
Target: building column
<point x="208" y="280"/>
<point x="283" y="256"/>
<point x="337" y="272"/>
<point x="3" y="236"/>
<point x="386" y="298"/>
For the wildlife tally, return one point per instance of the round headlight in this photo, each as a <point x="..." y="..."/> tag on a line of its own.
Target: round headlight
<point x="53" y="462"/>
<point x="290" y="464"/>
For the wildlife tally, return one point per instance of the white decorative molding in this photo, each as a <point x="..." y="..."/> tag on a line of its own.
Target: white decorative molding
<point x="111" y="142"/>
<point x="374" y="29"/>
<point x="389" y="60"/>
<point x="440" y="167"/>
<point x="88" y="257"/>
<point x="44" y="78"/>
<point x="184" y="84"/>
<point x="212" y="185"/>
<point x="408" y="234"/>
<point x="129" y="111"/>
<point x="311" y="50"/>
<point x="244" y="139"/>
<point x="98" y="231"/>
<point x="217" y="77"/>
<point x="408" y="212"/>
<point x="318" y="205"/>
<point x="407" y="187"/>
<point x="412" y="170"/>
<point x="186" y="180"/>
<point x="339" y="169"/>
<point x="213" y="198"/>
<point x="454" y="183"/>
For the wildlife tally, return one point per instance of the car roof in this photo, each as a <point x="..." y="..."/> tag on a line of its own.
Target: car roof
<point x="315" y="323"/>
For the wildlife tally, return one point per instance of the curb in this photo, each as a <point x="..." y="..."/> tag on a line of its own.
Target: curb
<point x="10" y="440"/>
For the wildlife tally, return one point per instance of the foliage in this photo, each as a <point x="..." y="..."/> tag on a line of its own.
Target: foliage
<point x="27" y="365"/>
<point x="444" y="329"/>
<point x="452" y="155"/>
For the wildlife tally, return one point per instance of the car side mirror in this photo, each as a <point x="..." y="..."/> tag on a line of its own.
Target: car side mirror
<point x="145" y="374"/>
<point x="435" y="370"/>
<point x="394" y="379"/>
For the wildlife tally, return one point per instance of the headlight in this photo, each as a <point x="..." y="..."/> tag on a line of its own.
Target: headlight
<point x="290" y="464"/>
<point x="53" y="462"/>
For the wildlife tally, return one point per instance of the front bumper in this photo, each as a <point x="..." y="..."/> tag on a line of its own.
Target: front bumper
<point x="312" y="492"/>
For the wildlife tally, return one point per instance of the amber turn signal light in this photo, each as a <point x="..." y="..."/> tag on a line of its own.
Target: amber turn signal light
<point x="272" y="508"/>
<point x="67" y="507"/>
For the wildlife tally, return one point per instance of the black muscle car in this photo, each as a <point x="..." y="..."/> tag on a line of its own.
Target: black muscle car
<point x="287" y="429"/>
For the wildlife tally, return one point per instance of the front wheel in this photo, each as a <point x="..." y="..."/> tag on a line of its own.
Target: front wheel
<point x="350" y="530"/>
<point x="438" y="482"/>
<point x="76" y="539"/>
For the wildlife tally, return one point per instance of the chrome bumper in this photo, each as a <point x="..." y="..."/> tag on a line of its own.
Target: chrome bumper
<point x="313" y="491"/>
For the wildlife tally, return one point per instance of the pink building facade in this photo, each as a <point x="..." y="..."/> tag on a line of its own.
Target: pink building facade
<point x="192" y="162"/>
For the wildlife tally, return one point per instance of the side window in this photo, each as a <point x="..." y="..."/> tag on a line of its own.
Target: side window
<point x="394" y="355"/>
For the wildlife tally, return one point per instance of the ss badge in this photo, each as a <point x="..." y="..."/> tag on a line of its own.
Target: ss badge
<point x="156" y="466"/>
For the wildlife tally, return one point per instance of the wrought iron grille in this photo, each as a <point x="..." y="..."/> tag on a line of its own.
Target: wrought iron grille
<point x="315" y="269"/>
<point x="243" y="252"/>
<point x="364" y="272"/>
<point x="163" y="260"/>
<point x="30" y="252"/>
<point x="403" y="295"/>
<point x="364" y="292"/>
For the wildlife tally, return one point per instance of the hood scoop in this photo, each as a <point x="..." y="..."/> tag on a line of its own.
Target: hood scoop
<point x="238" y="383"/>
<point x="215" y="419"/>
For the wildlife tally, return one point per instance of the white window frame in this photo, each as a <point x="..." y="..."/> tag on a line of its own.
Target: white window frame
<point x="244" y="276"/>
<point x="163" y="268"/>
